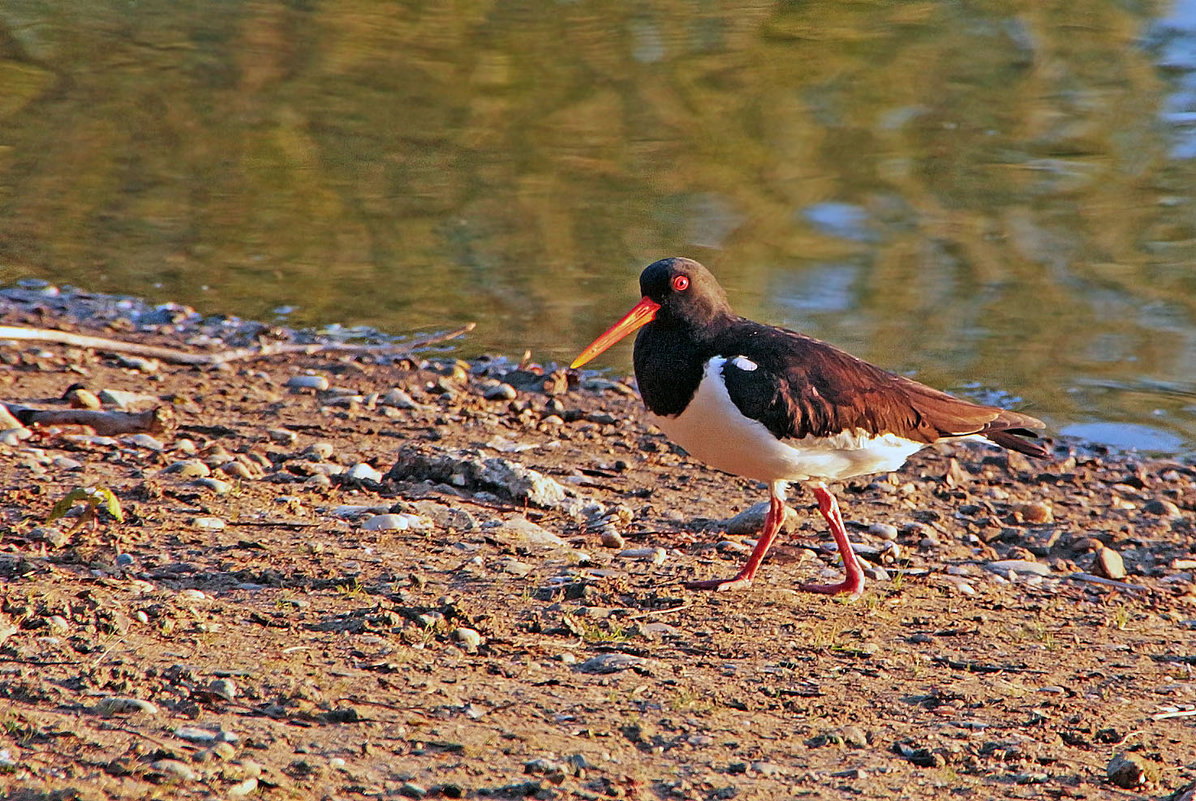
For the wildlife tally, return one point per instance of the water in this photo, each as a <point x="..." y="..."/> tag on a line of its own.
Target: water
<point x="997" y="201"/>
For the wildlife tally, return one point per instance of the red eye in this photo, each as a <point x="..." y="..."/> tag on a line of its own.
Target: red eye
<point x="680" y="283"/>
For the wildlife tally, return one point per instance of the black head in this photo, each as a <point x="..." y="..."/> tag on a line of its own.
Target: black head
<point x="685" y="290"/>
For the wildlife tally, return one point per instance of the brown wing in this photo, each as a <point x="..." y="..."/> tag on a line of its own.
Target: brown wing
<point x="807" y="387"/>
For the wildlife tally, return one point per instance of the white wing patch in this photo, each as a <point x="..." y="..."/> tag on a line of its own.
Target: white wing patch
<point x="744" y="363"/>
<point x="714" y="431"/>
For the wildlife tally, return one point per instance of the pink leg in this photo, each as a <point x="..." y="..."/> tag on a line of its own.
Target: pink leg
<point x="854" y="581"/>
<point x="772" y="525"/>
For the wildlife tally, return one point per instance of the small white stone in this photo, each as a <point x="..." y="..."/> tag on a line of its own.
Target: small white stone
<point x="208" y="523"/>
<point x="117" y="704"/>
<point x="387" y="522"/>
<point x="468" y="638"/>
<point x="300" y="382"/>
<point x="364" y="472"/>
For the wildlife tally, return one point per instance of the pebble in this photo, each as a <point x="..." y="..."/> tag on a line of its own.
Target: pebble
<point x="145" y="442"/>
<point x="612" y="539"/>
<point x="1131" y="771"/>
<point x="518" y="530"/>
<point x="612" y="663"/>
<point x="399" y="400"/>
<point x="852" y="736"/>
<point x="216" y="485"/>
<point x="1033" y="513"/>
<point x="655" y="555"/>
<point x="208" y="523"/>
<point x="197" y="734"/>
<point x="364" y="472"/>
<point x="387" y="522"/>
<point x="174" y="769"/>
<point x="883" y="530"/>
<point x="502" y="391"/>
<point x="301" y="382"/>
<point x="224" y="688"/>
<point x="282" y="436"/>
<point x="1023" y="566"/>
<point x="751" y="520"/>
<point x="469" y="639"/>
<point x="188" y="468"/>
<point x="242" y="788"/>
<point x="13" y="437"/>
<point x="123" y="400"/>
<point x="119" y="704"/>
<point x="318" y="451"/>
<point x="1162" y="508"/>
<point x="1109" y="564"/>
<point x="66" y="463"/>
<point x="82" y="399"/>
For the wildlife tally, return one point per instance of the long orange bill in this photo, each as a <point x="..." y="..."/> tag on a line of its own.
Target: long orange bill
<point x="638" y="317"/>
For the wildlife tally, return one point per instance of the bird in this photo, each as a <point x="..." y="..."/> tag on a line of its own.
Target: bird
<point x="779" y="406"/>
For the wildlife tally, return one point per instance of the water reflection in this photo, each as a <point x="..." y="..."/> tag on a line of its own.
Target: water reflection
<point x="961" y="192"/>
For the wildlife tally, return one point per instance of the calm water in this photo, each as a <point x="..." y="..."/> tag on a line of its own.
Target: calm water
<point x="996" y="198"/>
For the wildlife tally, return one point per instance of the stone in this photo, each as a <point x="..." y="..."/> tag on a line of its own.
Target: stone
<point x="188" y="469"/>
<point x="387" y="522"/>
<point x="173" y="769"/>
<point x="307" y="382"/>
<point x="507" y="479"/>
<point x="282" y="436"/>
<point x="1131" y="770"/>
<point x="224" y="688"/>
<point x="518" y="530"/>
<point x="502" y="391"/>
<point x="1035" y="513"/>
<point x="1022" y="566"/>
<point x="1108" y="563"/>
<point x="119" y="704"/>
<point x="363" y="472"/>
<point x="399" y="400"/>
<point x="612" y="663"/>
<point x="751" y="520"/>
<point x="80" y="398"/>
<point x="469" y="639"/>
<point x="1161" y="507"/>
<point x="216" y="485"/>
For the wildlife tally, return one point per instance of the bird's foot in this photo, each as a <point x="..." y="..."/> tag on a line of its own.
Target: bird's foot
<point x="720" y="585"/>
<point x="853" y="585"/>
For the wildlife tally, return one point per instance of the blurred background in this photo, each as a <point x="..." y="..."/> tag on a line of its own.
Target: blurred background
<point x="996" y="198"/>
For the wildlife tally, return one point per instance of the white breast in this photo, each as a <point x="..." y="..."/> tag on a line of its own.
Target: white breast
<point x="714" y="431"/>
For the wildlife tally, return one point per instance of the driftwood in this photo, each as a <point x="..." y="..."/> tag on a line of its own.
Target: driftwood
<point x="175" y="356"/>
<point x="104" y="423"/>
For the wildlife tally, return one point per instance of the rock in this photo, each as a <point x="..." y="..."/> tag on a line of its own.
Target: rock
<point x="66" y="463"/>
<point x="1033" y="513"/>
<point x="80" y="398"/>
<point x="299" y="383"/>
<point x="318" y="451"/>
<point x="208" y="523"/>
<point x="399" y="400"/>
<point x="1022" y="566"/>
<point x="612" y="539"/>
<point x="613" y="663"/>
<point x="174" y="770"/>
<point x="469" y="639"/>
<point x="363" y="472"/>
<point x="884" y="531"/>
<point x="387" y="522"/>
<point x="242" y="788"/>
<point x="852" y="736"/>
<point x="216" y="485"/>
<point x="955" y="476"/>
<point x="1161" y="507"/>
<point x="1131" y="770"/>
<point x="196" y="734"/>
<point x="518" y="530"/>
<point x="751" y="520"/>
<point x="282" y="436"/>
<point x="503" y="477"/>
<point x="188" y="469"/>
<point x="1108" y="563"/>
<point x="501" y="391"/>
<point x="145" y="442"/>
<point x="447" y="516"/>
<point x="119" y="704"/>
<point x="123" y="400"/>
<point x="655" y="555"/>
<point x="14" y="436"/>
<point x="224" y="688"/>
<point x="138" y="363"/>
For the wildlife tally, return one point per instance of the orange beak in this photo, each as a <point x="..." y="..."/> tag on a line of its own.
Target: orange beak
<point x="641" y="315"/>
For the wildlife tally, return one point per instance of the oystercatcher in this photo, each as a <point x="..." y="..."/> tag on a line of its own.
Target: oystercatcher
<point x="778" y="406"/>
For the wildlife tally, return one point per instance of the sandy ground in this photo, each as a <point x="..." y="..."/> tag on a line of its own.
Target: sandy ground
<point x="282" y="614"/>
